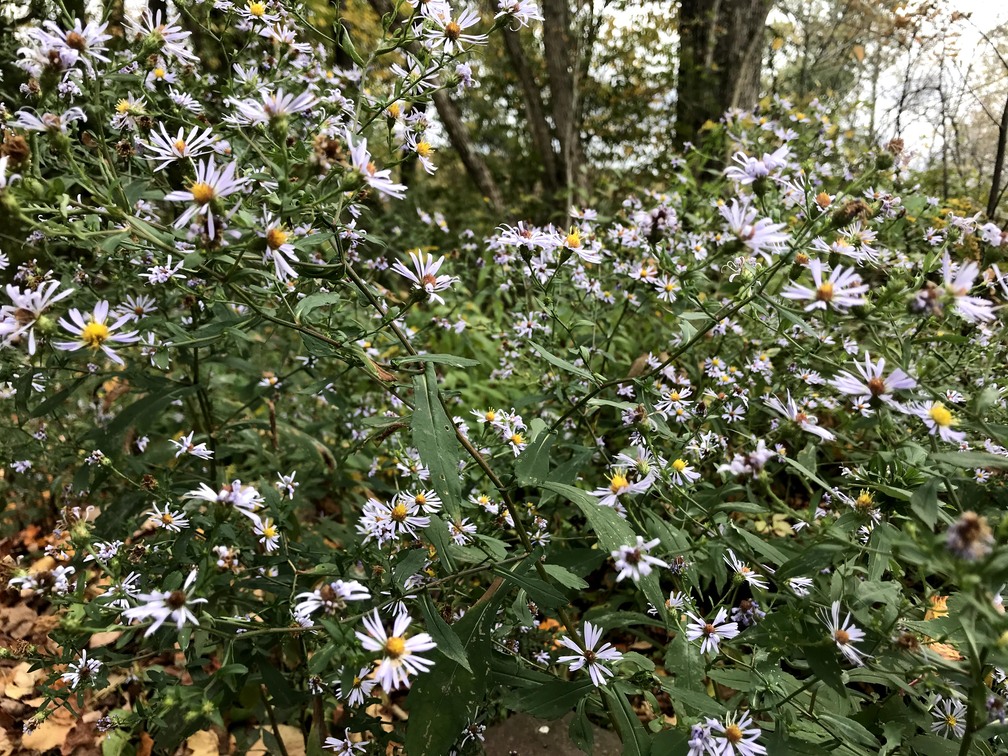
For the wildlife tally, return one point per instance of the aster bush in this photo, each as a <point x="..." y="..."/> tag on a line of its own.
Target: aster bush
<point x="719" y="467"/>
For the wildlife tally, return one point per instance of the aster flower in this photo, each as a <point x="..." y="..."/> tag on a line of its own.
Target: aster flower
<point x="380" y="181"/>
<point x="385" y="522"/>
<point x="939" y="419"/>
<point x="399" y="654"/>
<point x="873" y="383"/>
<point x="185" y="445"/>
<point x="171" y="520"/>
<point x="83" y="671"/>
<point x="360" y="688"/>
<point x="270" y="107"/>
<point x="279" y="249"/>
<point x="167" y="37"/>
<point x="682" y="473"/>
<point x="736" y="736"/>
<point x="805" y="421"/>
<point x="762" y="236"/>
<point x="18" y="319"/>
<point x="449" y="34"/>
<point x="331" y="598"/>
<point x="589" y="656"/>
<point x="269" y="534"/>
<point x="424" y="274"/>
<point x="84" y="43"/>
<point x="744" y="571"/>
<point x="958" y="285"/>
<point x="620" y="485"/>
<point x="51" y="122"/>
<point x="521" y="11"/>
<point x="845" y="634"/>
<point x="710" y="634"/>
<point x="161" y="606"/>
<point x="345" y="746"/>
<point x="165" y="149"/>
<point x="841" y="291"/>
<point x="949" y="717"/>
<point x="634" y="561"/>
<point x="211" y="184"/>
<point x="95" y="333"/>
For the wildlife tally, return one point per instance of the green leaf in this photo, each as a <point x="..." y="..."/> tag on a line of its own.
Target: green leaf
<point x="447" y="641"/>
<point x="823" y="662"/>
<point x="437" y="534"/>
<point x="612" y="532"/>
<point x="440" y="702"/>
<point x="554" y="699"/>
<point x="434" y="437"/>
<point x="924" y="502"/>
<point x="636" y="740"/>
<point x="532" y="465"/>
<point x="315" y="301"/>
<point x="849" y="730"/>
<point x="971" y="459"/>
<point x="580" y="730"/>
<point x="538" y="590"/>
<point x="438" y="359"/>
<point x="564" y="365"/>
<point x="565" y="577"/>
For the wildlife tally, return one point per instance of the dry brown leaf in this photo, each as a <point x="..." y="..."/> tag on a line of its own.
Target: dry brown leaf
<point x="203" y="743"/>
<point x="50" y="734"/>
<point x="104" y="639"/>
<point x="82" y="740"/>
<point x="6" y="746"/>
<point x="292" y="738"/>
<point x="146" y="745"/>
<point x="20" y="681"/>
<point x="18" y="621"/>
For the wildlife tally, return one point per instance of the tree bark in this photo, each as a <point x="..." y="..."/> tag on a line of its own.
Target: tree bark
<point x="720" y="60"/>
<point x="999" y="159"/>
<point x="535" y="111"/>
<point x="560" y="69"/>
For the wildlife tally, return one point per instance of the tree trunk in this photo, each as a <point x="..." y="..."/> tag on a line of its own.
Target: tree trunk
<point x="535" y="111"/>
<point x="561" y="64"/>
<point x="995" y="191"/>
<point x="720" y="60"/>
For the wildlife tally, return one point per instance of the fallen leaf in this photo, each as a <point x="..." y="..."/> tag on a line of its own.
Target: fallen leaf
<point x="203" y="743"/>
<point x="292" y="738"/>
<point x="146" y="745"/>
<point x="50" y="734"/>
<point x="82" y="740"/>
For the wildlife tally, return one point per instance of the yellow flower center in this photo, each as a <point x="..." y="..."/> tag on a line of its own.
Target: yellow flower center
<point x="270" y="531"/>
<point x="517" y="439"/>
<point x="257" y="9"/>
<point x="941" y="415"/>
<point x="123" y="107"/>
<point x="842" y="637"/>
<point x="864" y="500"/>
<point x="423" y="148"/>
<point x="159" y="73"/>
<point x="399" y="512"/>
<point x="733" y="733"/>
<point x="95" y="334"/>
<point x="452" y="30"/>
<point x="573" y="239"/>
<point x="679" y="465"/>
<point x="276" y="238"/>
<point x="951" y="720"/>
<point x="393" y="110"/>
<point x="167" y="519"/>
<point x="395" y="646"/>
<point x="825" y="292"/>
<point x="490" y="416"/>
<point x="202" y="193"/>
<point x="180" y="146"/>
<point x="420" y="499"/>
<point x="618" y="482"/>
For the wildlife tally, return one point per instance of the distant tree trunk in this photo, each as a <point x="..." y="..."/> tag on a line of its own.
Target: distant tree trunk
<point x="535" y="111"/>
<point x="999" y="159"/>
<point x="720" y="59"/>
<point x="561" y="70"/>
